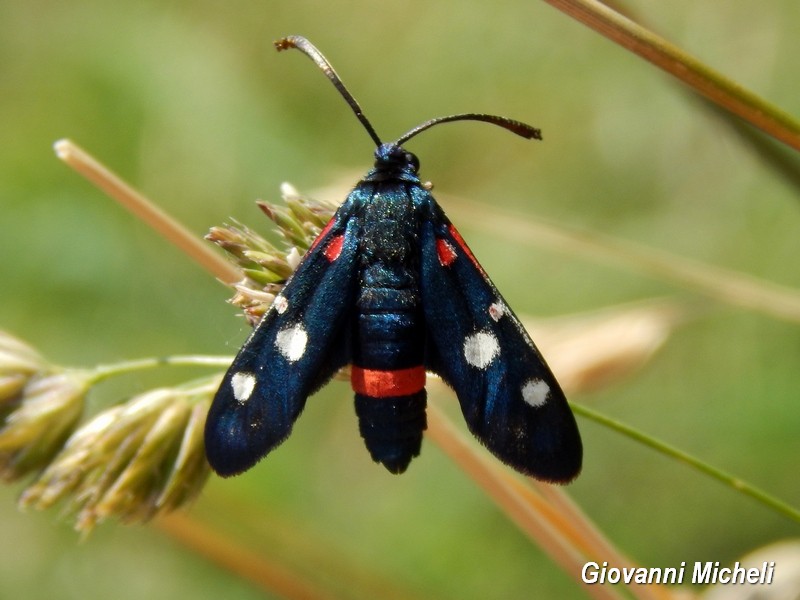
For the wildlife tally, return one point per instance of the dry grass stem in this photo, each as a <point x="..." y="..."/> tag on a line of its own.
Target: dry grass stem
<point x="156" y="218"/>
<point x="276" y="579"/>
<point x="567" y="536"/>
<point x="725" y="285"/>
<point x="686" y="68"/>
<point x="529" y="518"/>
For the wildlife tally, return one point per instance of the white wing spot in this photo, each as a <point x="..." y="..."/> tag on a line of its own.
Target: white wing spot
<point x="497" y="310"/>
<point x="480" y="349"/>
<point x="291" y="342"/>
<point x="280" y="303"/>
<point x="535" y="392"/>
<point x="243" y="385"/>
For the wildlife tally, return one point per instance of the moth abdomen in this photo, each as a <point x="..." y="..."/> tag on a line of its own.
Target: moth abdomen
<point x="392" y="427"/>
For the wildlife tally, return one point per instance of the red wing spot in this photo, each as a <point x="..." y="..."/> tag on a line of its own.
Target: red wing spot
<point x="322" y="234"/>
<point x="446" y="252"/>
<point x="334" y="248"/>
<point x="386" y="384"/>
<point x="460" y="241"/>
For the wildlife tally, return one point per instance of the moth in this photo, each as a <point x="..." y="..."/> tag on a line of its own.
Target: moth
<point x="390" y="288"/>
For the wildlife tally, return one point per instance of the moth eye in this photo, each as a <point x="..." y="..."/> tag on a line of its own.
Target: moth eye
<point x="413" y="161"/>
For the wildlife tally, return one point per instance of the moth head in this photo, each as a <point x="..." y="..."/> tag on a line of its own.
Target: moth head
<point x="393" y="156"/>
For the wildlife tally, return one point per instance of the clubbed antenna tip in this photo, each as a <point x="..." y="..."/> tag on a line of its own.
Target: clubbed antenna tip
<point x="307" y="48"/>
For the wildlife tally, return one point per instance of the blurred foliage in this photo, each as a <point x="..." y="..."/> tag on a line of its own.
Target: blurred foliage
<point x="188" y="101"/>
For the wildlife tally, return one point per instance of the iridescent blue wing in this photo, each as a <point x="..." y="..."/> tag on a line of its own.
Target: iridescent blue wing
<point x="299" y="344"/>
<point x="511" y="401"/>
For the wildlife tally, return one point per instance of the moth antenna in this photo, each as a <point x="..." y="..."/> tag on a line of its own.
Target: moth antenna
<point x="307" y="48"/>
<point x="521" y="129"/>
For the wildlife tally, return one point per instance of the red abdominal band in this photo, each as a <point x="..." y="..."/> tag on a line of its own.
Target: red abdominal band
<point x="387" y="384"/>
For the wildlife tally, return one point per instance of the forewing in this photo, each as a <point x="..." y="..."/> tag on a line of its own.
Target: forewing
<point x="301" y="341"/>
<point x="511" y="401"/>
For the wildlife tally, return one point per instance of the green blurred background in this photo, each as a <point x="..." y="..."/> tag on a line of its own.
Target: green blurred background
<point x="190" y="103"/>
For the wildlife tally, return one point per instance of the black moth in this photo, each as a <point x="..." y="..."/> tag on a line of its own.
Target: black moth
<point x="390" y="288"/>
